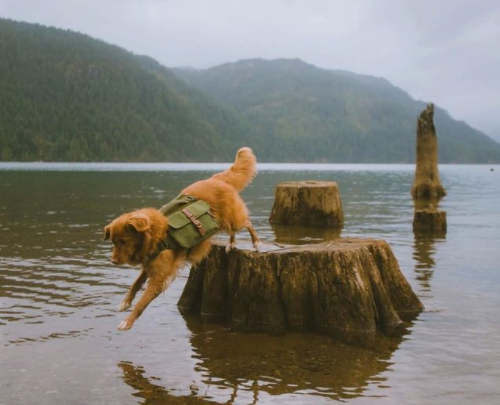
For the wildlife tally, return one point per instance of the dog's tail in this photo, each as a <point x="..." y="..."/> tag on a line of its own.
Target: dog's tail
<point x="243" y="170"/>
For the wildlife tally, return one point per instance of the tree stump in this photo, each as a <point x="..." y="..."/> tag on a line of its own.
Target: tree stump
<point x="308" y="203"/>
<point x="430" y="221"/>
<point x="350" y="289"/>
<point x="427" y="184"/>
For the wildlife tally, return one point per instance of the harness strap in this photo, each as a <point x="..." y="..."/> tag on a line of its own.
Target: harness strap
<point x="164" y="244"/>
<point x="192" y="218"/>
<point x="167" y="243"/>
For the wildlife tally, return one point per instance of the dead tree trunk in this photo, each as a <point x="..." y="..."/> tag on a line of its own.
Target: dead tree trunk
<point x="430" y="221"/>
<point x="427" y="184"/>
<point x="308" y="203"/>
<point x="350" y="289"/>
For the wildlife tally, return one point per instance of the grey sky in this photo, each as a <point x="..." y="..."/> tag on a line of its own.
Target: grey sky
<point x="445" y="51"/>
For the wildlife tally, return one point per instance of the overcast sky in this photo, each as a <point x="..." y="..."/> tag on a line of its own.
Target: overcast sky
<point x="444" y="51"/>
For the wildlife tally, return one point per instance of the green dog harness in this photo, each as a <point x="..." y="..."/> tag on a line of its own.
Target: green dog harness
<point x="190" y="222"/>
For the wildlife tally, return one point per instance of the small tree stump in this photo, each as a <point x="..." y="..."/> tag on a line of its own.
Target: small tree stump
<point x="427" y="183"/>
<point x="430" y="221"/>
<point x="350" y="289"/>
<point x="308" y="203"/>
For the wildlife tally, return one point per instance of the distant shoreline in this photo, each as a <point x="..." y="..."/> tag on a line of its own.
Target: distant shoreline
<point x="173" y="167"/>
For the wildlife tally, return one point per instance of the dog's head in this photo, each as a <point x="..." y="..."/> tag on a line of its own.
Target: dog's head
<point x="132" y="235"/>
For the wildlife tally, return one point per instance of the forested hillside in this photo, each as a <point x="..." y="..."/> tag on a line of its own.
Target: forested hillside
<point x="67" y="97"/>
<point x="313" y="114"/>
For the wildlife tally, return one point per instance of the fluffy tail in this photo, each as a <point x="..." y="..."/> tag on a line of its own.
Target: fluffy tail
<point x="243" y="170"/>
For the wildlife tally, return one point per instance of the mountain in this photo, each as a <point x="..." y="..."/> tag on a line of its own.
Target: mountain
<point x="308" y="114"/>
<point x="67" y="97"/>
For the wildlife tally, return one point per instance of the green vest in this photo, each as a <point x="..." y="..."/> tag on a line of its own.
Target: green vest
<point x="190" y="221"/>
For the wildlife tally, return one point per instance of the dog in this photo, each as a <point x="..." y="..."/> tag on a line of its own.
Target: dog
<point x="138" y="236"/>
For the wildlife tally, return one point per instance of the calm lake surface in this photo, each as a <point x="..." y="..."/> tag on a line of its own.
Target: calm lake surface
<point x="59" y="293"/>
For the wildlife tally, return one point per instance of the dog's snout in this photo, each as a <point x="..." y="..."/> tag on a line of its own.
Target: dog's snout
<point x="114" y="261"/>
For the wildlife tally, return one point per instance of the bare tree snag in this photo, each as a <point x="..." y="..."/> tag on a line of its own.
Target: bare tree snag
<point x="427" y="184"/>
<point x="350" y="289"/>
<point x="308" y="203"/>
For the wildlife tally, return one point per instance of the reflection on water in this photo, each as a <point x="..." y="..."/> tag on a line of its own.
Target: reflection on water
<point x="424" y="245"/>
<point x="296" y="235"/>
<point x="245" y="368"/>
<point x="59" y="292"/>
<point x="299" y="363"/>
<point x="427" y="203"/>
<point x="151" y="389"/>
<point x="424" y="251"/>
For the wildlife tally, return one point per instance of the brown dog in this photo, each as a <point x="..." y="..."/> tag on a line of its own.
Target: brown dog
<point x="137" y="236"/>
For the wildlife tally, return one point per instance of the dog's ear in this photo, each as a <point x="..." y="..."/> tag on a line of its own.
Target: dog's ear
<point x="107" y="232"/>
<point x="139" y="222"/>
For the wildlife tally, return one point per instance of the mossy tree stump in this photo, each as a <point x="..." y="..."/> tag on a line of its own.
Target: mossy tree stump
<point x="427" y="184"/>
<point x="350" y="289"/>
<point x="430" y="221"/>
<point x="308" y="203"/>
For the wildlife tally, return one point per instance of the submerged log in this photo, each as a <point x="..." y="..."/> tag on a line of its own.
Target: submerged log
<point x="427" y="183"/>
<point x="430" y="221"/>
<point x="308" y="203"/>
<point x="350" y="289"/>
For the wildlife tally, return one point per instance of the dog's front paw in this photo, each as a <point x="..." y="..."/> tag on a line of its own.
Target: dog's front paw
<point x="125" y="325"/>
<point x="257" y="246"/>
<point x="124" y="306"/>
<point x="230" y="247"/>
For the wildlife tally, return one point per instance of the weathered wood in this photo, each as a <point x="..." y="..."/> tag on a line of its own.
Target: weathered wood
<point x="430" y="221"/>
<point x="427" y="183"/>
<point x="308" y="203"/>
<point x="350" y="289"/>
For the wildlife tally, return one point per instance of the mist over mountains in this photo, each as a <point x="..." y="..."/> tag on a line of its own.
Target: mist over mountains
<point x="325" y="115"/>
<point x="67" y="97"/>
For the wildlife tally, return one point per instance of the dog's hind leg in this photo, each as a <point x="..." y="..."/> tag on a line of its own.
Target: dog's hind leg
<point x="255" y="238"/>
<point x="253" y="235"/>
<point x="134" y="288"/>
<point x="232" y="242"/>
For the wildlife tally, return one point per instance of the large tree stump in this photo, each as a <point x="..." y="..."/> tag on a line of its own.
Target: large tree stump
<point x="430" y="221"/>
<point x="350" y="289"/>
<point x="308" y="203"/>
<point x="427" y="184"/>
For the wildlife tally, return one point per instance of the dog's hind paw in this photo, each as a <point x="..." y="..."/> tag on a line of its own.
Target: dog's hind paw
<point x="124" y="325"/>
<point x="230" y="247"/>
<point x="257" y="246"/>
<point x="124" y="306"/>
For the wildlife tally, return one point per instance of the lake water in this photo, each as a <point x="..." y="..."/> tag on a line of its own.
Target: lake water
<point x="59" y="293"/>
